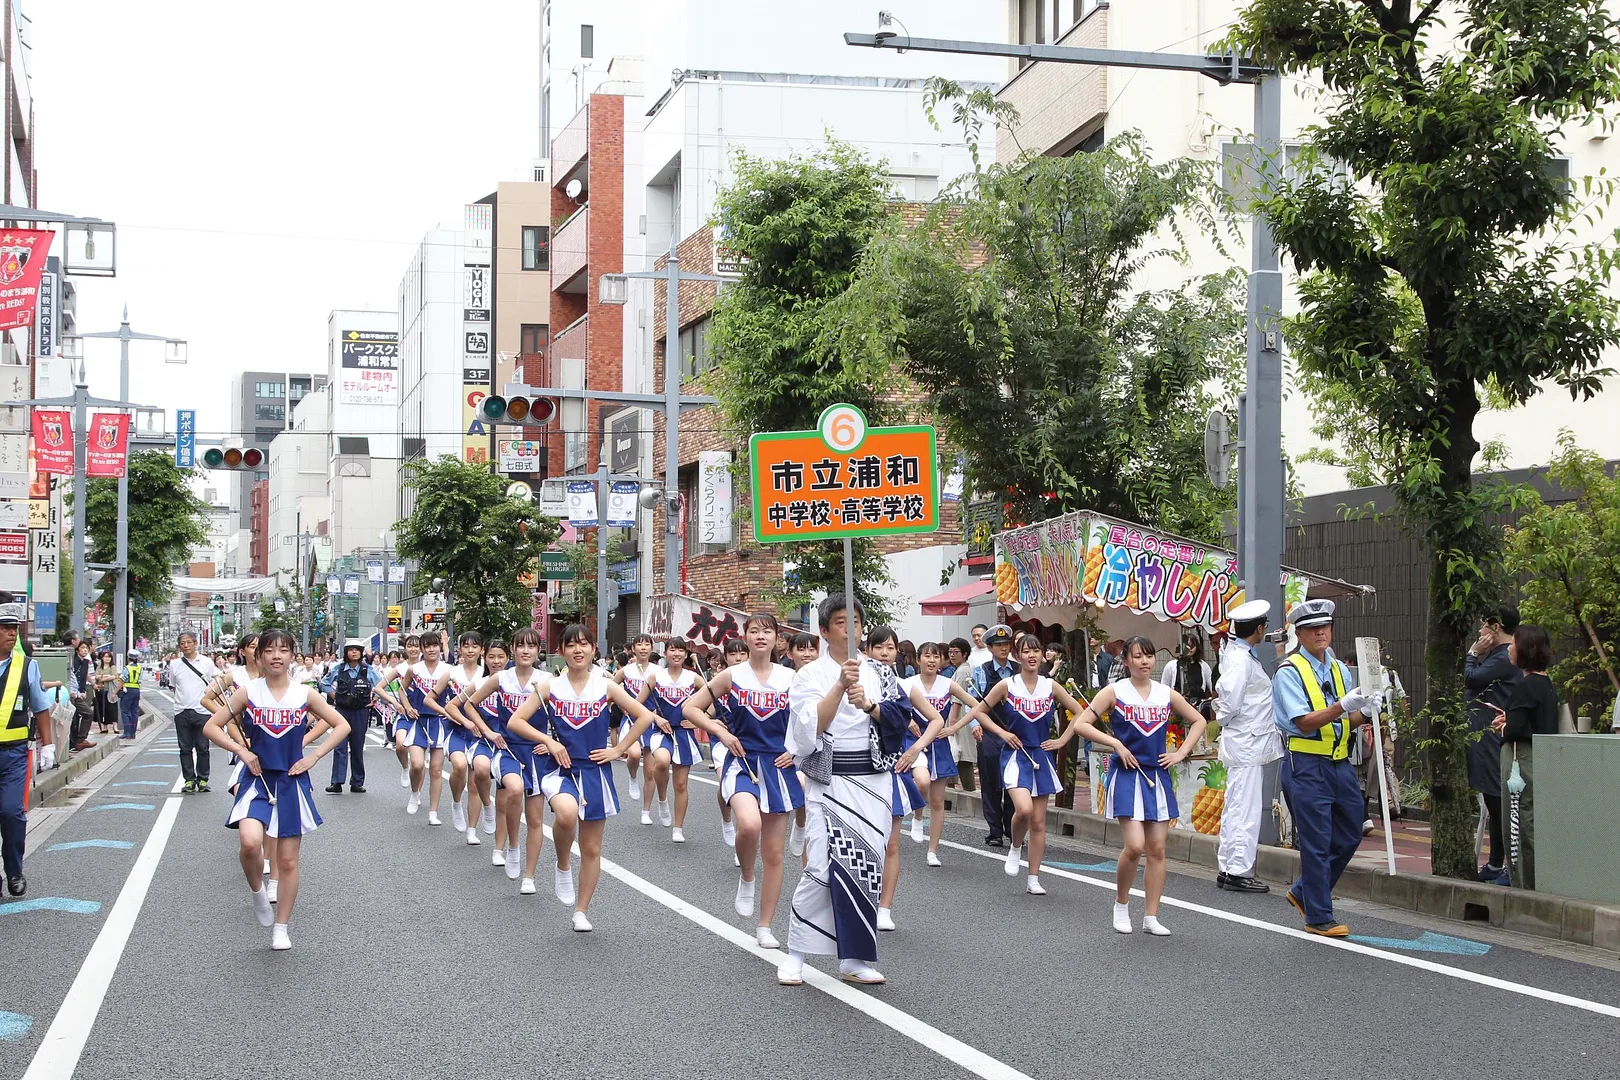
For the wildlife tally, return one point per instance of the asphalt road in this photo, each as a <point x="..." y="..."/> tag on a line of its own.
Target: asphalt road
<point x="415" y="957"/>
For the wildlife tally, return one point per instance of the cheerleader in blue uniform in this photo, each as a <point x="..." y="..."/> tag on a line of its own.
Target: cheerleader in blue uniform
<point x="425" y="732"/>
<point x="674" y="749"/>
<point x="882" y="646"/>
<point x="733" y="652"/>
<point x="757" y="778"/>
<point x="462" y="732"/>
<point x="937" y="764"/>
<point x="1141" y="794"/>
<point x="480" y="719"/>
<point x="395" y="678"/>
<point x="636" y="677"/>
<point x="578" y="781"/>
<point x="275" y="798"/>
<point x="512" y="761"/>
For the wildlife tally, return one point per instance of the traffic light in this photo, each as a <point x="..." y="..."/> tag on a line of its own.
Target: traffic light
<point x="520" y="405"/>
<point x="234" y="458"/>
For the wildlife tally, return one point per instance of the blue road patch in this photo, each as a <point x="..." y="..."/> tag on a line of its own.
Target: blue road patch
<point x="151" y="766"/>
<point x="51" y="903"/>
<point x="140" y="783"/>
<point x="78" y="845"/>
<point x="1429" y="941"/>
<point x="1095" y="867"/>
<point x="14" y="1026"/>
<point x="122" y="806"/>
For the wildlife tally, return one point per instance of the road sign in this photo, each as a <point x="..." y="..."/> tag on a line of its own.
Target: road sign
<point x="844" y="479"/>
<point x="396" y="614"/>
<point x="554" y="566"/>
<point x="185" y="438"/>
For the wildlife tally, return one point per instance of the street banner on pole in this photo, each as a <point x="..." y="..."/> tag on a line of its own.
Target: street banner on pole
<point x="374" y="571"/>
<point x="22" y="263"/>
<point x="582" y="504"/>
<point x="621" y="504"/>
<point x="108" y="454"/>
<point x="714" y="497"/>
<point x="185" y="438"/>
<point x="53" y="441"/>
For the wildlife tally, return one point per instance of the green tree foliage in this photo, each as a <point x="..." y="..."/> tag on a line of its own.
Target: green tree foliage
<point x="464" y="529"/>
<point x="291" y="616"/>
<point x="165" y="522"/>
<point x="1018" y="307"/>
<point x="1568" y="557"/>
<point x="1442" y="269"/>
<point x="802" y="223"/>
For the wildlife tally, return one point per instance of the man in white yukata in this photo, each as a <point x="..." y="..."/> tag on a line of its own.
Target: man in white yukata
<point x="1249" y="741"/>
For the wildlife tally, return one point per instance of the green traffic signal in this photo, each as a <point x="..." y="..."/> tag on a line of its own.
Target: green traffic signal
<point x="213" y="457"/>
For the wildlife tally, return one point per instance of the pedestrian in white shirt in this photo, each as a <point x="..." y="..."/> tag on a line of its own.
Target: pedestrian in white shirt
<point x="190" y="674"/>
<point x="980" y="655"/>
<point x="1249" y="741"/>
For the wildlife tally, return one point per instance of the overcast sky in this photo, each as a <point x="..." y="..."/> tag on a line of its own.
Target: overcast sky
<point x="268" y="163"/>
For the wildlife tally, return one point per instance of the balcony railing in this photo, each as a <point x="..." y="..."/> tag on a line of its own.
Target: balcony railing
<point x="569" y="247"/>
<point x="569" y="146"/>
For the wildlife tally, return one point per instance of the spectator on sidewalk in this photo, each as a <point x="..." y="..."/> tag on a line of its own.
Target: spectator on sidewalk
<point x="189" y="675"/>
<point x="25" y="717"/>
<point x="106" y="681"/>
<point x="1491" y="678"/>
<point x="1533" y="710"/>
<point x="979" y="655"/>
<point x="82" y="694"/>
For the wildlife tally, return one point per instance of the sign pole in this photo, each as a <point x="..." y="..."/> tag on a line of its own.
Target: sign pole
<point x="849" y="589"/>
<point x="602" y="557"/>
<point x="1370" y="668"/>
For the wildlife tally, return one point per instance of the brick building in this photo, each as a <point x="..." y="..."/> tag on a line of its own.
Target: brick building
<point x="259" y="527"/>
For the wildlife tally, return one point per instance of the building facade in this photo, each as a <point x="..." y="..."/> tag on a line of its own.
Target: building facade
<point x="298" y="465"/>
<point x="262" y="404"/>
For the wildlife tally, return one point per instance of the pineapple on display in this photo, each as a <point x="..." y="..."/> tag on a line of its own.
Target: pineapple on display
<point x="1211" y="799"/>
<point x="1006" y="583"/>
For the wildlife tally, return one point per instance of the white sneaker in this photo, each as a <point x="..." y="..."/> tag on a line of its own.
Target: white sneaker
<point x="918" y="835"/>
<point x="933" y="860"/>
<point x="527" y="888"/>
<point x="279" y="939"/>
<point x="1122" y="918"/>
<point x="860" y="972"/>
<point x="267" y="868"/>
<point x="885" y="919"/>
<point x="405" y="778"/>
<point x="499" y="858"/>
<point x="261" y="908"/>
<point x="270" y="890"/>
<point x="677" y="837"/>
<point x="735" y="860"/>
<point x="472" y="836"/>
<point x="728" y="829"/>
<point x="745" y="898"/>
<point x="582" y="925"/>
<point x="766" y="939"/>
<point x="458" y="816"/>
<point x="433" y="818"/>
<point x="792" y="972"/>
<point x="1151" y="925"/>
<point x="646" y="817"/>
<point x="1034" y="887"/>
<point x="415" y="803"/>
<point x="565" y="885"/>
<point x="487" y="820"/>
<point x="635" y="787"/>
<point x="796" y="841"/>
<point x="666" y="813"/>
<point x="1366" y="830"/>
<point x="514" y="863"/>
<point x="1011" y="865"/>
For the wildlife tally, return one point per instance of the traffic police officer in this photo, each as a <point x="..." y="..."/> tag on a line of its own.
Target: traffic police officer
<point x="25" y="715"/>
<point x="350" y="685"/>
<point x="129" y="702"/>
<point x="1315" y="707"/>
<point x="1249" y="741"/>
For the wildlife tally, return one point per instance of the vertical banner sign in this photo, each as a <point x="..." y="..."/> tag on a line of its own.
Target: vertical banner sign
<point x="582" y="504"/>
<point x="621" y="504"/>
<point x="374" y="571"/>
<point x="22" y="264"/>
<point x="15" y="383"/>
<point x="844" y="479"/>
<point x="714" y="497"/>
<point x="368" y="368"/>
<point x="109" y="445"/>
<point x="53" y="441"/>
<point x="45" y="324"/>
<point x="45" y="574"/>
<point x="185" y="438"/>
<point x="539" y="612"/>
<point x="477" y="327"/>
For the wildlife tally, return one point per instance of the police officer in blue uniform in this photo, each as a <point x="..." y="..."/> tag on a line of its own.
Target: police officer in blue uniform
<point x="25" y="715"/>
<point x="998" y="808"/>
<point x="350" y="685"/>
<point x="1316" y="707"/>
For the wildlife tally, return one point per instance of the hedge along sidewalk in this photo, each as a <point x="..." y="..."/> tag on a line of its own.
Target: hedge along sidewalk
<point x="1561" y="918"/>
<point x="51" y="783"/>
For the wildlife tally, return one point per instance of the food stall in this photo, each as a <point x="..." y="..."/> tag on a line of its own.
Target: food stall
<point x="1116" y="579"/>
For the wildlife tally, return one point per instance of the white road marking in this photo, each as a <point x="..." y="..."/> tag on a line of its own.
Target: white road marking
<point x="924" y="1034"/>
<point x="58" y="1054"/>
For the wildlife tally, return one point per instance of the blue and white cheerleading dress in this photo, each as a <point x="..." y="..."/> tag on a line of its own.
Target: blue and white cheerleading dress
<point x="1142" y="726"/>
<point x="428" y="730"/>
<point x="1027" y="714"/>
<point x="905" y="797"/>
<point x="759" y="717"/>
<point x="275" y="729"/>
<point x="580" y="721"/>
<point x="636" y="678"/>
<point x="521" y="757"/>
<point x="668" y="698"/>
<point x="461" y="740"/>
<point x="937" y="754"/>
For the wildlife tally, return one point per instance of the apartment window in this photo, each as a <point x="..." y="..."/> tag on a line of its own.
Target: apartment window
<point x="265" y="434"/>
<point x="268" y="389"/>
<point x="587" y="41"/>
<point x="697" y="354"/>
<point x="261" y="474"/>
<point x="532" y="338"/>
<point x="269" y="412"/>
<point x="536" y="247"/>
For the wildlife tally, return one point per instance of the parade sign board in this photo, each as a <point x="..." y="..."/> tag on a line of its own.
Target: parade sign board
<point x="1085" y="558"/>
<point x="844" y="479"/>
<point x="690" y="618"/>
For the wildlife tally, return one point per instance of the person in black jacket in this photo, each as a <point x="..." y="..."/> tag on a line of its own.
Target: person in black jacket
<point x="1533" y="710"/>
<point x="1491" y="679"/>
<point x="349" y="687"/>
<point x="998" y="808"/>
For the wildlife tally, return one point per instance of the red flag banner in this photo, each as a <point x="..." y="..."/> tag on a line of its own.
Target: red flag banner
<point x="53" y="440"/>
<point x="22" y="261"/>
<point x="109" y="445"/>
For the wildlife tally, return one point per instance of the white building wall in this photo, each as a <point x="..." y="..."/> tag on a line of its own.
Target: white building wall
<point x="429" y="345"/>
<point x="379" y="422"/>
<point x="298" y="470"/>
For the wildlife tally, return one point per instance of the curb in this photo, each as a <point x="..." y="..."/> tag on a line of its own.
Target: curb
<point x="51" y="784"/>
<point x="1561" y="918"/>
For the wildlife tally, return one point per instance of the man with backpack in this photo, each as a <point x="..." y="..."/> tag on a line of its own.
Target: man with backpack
<point x="190" y="674"/>
<point x="349" y="689"/>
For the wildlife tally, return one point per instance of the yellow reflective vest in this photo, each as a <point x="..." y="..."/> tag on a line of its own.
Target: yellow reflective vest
<point x="14" y="713"/>
<point x="132" y="677"/>
<point x="1325" y="740"/>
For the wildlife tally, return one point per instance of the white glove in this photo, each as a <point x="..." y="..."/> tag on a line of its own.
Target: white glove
<point x="1355" y="701"/>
